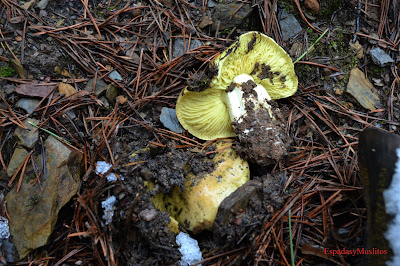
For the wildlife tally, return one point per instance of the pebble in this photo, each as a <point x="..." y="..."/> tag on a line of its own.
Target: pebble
<point x="288" y="24"/>
<point x="115" y="75"/>
<point x="380" y="57"/>
<point x="100" y="87"/>
<point x="312" y="5"/>
<point x="148" y="215"/>
<point x="27" y="137"/>
<point x="205" y="22"/>
<point x="111" y="93"/>
<point x="223" y="14"/>
<point x="180" y="46"/>
<point x="362" y="90"/>
<point x="338" y="92"/>
<point x="357" y="47"/>
<point x="326" y="72"/>
<point x="295" y="50"/>
<point x="169" y="119"/>
<point x="17" y="158"/>
<point x="28" y="105"/>
<point x="211" y="4"/>
<point x="373" y="41"/>
<point x="43" y="4"/>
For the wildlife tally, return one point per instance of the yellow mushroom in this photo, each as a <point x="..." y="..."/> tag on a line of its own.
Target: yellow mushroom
<point x="195" y="208"/>
<point x="208" y="114"/>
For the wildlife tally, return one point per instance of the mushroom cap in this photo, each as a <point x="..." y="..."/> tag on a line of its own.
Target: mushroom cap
<point x="263" y="59"/>
<point x="205" y="114"/>
<point x="196" y="207"/>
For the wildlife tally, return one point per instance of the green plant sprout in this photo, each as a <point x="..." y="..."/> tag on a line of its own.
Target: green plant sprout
<point x="290" y="237"/>
<point x="51" y="133"/>
<point x="309" y="48"/>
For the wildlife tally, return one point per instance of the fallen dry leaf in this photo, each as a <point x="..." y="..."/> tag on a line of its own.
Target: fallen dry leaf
<point x="35" y="89"/>
<point x="17" y="19"/>
<point x="66" y="89"/>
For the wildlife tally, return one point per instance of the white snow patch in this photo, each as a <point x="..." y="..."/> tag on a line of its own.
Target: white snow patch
<point x="391" y="197"/>
<point x="4" y="230"/>
<point x="189" y="249"/>
<point x="102" y="167"/>
<point x="108" y="206"/>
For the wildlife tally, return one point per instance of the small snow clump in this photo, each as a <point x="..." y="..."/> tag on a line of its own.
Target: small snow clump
<point x="4" y="231"/>
<point x="391" y="197"/>
<point x="108" y="206"/>
<point x="102" y="167"/>
<point x="189" y="249"/>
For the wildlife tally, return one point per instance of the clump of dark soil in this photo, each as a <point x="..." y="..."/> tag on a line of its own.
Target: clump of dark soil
<point x="247" y="210"/>
<point x="263" y="139"/>
<point x="240" y="218"/>
<point x="168" y="168"/>
<point x="200" y="81"/>
<point x="151" y="236"/>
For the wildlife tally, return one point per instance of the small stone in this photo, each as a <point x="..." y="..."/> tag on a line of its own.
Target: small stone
<point x="34" y="209"/>
<point x="211" y="4"/>
<point x="380" y="57"/>
<point x="105" y="102"/>
<point x="296" y="49"/>
<point x="146" y="173"/>
<point x="148" y="215"/>
<point x="232" y="204"/>
<point x="27" y="137"/>
<point x="17" y="158"/>
<point x="42" y="13"/>
<point x="230" y="15"/>
<point x="338" y="91"/>
<point x="180" y="46"/>
<point x="312" y="5"/>
<point x="362" y="90"/>
<point x="116" y="76"/>
<point x="378" y="82"/>
<point x="170" y="120"/>
<point x="9" y="251"/>
<point x="101" y="86"/>
<point x="27" y="104"/>
<point x="205" y="22"/>
<point x="373" y="41"/>
<point x="357" y="47"/>
<point x="111" y="93"/>
<point x="289" y="25"/>
<point x="43" y="4"/>
<point x="27" y="5"/>
<point x="326" y="72"/>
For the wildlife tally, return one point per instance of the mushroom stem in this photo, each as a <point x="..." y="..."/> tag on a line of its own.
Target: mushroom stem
<point x="259" y="126"/>
<point x="243" y="91"/>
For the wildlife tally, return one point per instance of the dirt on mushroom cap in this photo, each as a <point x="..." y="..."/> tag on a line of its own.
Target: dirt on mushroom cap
<point x="262" y="58"/>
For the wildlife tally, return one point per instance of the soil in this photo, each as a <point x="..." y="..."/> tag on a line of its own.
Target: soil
<point x="139" y="233"/>
<point x="263" y="139"/>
